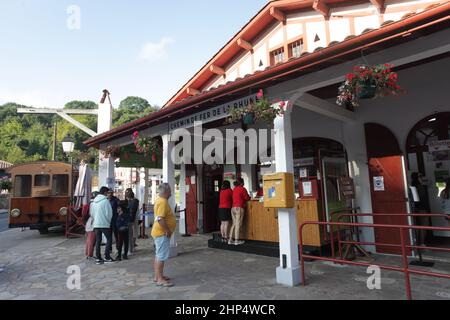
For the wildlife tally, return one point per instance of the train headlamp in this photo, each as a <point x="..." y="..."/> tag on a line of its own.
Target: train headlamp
<point x="15" y="213"/>
<point x="63" y="211"/>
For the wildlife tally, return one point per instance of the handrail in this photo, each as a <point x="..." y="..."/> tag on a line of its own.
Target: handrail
<point x="405" y="266"/>
<point x="343" y="215"/>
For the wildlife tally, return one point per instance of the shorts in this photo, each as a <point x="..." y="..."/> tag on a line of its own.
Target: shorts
<point x="162" y="245"/>
<point x="225" y="214"/>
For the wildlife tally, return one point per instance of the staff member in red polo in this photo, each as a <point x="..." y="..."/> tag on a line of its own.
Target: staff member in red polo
<point x="240" y="198"/>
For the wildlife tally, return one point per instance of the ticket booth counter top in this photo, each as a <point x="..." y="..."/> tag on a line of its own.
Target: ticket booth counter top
<point x="261" y="224"/>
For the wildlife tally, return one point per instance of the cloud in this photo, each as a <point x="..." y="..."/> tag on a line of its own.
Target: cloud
<point x="153" y="51"/>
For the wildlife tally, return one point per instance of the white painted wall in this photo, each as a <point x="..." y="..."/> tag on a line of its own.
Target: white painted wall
<point x="365" y="16"/>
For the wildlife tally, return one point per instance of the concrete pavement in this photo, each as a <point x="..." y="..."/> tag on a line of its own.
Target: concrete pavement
<point x="35" y="268"/>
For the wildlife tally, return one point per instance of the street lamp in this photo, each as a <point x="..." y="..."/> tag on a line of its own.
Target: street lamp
<point x="68" y="145"/>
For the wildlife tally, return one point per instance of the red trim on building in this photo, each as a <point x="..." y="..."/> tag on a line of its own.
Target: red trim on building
<point x="435" y="16"/>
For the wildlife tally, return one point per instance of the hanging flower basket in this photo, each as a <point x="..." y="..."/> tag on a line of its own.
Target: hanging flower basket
<point x="367" y="82"/>
<point x="261" y="110"/>
<point x="248" y="118"/>
<point x="111" y="152"/>
<point x="367" y="91"/>
<point x="147" y="146"/>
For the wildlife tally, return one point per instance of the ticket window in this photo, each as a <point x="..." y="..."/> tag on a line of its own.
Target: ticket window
<point x="318" y="165"/>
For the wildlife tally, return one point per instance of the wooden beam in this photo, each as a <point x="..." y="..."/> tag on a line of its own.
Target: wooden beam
<point x="217" y="70"/>
<point x="192" y="91"/>
<point x="277" y="14"/>
<point x="244" y="44"/>
<point x="379" y="4"/>
<point x="321" y="7"/>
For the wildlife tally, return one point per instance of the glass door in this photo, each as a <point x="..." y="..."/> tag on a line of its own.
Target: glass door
<point x="334" y="166"/>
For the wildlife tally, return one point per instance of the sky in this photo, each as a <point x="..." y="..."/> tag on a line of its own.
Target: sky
<point x="56" y="51"/>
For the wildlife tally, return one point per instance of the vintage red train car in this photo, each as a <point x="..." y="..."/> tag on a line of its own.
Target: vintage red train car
<point x="41" y="195"/>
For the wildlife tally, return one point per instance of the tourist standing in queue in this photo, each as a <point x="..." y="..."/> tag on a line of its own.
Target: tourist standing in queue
<point x="89" y="228"/>
<point x="101" y="213"/>
<point x="133" y="209"/>
<point x="114" y="201"/>
<point x="225" y="204"/>
<point x="162" y="231"/>
<point x="240" y="198"/>
<point x="122" y="227"/>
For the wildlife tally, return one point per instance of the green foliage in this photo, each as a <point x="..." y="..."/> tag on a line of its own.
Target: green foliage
<point x="5" y="183"/>
<point x="131" y="108"/>
<point x="29" y="137"/>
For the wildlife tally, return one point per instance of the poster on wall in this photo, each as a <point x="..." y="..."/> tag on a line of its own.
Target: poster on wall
<point x="439" y="145"/>
<point x="346" y="187"/>
<point x="378" y="183"/>
<point x="303" y="173"/>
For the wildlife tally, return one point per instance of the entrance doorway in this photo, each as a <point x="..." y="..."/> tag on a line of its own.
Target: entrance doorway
<point x="191" y="200"/>
<point x="213" y="178"/>
<point x="433" y="164"/>
<point x="387" y="185"/>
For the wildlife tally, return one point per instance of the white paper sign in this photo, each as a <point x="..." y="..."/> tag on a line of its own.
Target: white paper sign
<point x="303" y="173"/>
<point x="439" y="145"/>
<point x="307" y="188"/>
<point x="378" y="183"/>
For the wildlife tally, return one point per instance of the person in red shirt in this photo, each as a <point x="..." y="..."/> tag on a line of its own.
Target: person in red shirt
<point x="240" y="198"/>
<point x="226" y="201"/>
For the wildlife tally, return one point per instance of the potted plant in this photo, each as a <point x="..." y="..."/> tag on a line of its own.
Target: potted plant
<point x="111" y="151"/>
<point x="366" y="82"/>
<point x="146" y="145"/>
<point x="262" y="109"/>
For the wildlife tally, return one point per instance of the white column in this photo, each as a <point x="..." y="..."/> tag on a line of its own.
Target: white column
<point x="154" y="189"/>
<point x="106" y="172"/>
<point x="146" y="187"/>
<point x="182" y="205"/>
<point x="168" y="169"/>
<point x="288" y="273"/>
<point x="106" y="165"/>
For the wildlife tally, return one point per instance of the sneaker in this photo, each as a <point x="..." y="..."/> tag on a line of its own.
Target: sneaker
<point x="118" y="258"/>
<point x="125" y="257"/>
<point x="109" y="260"/>
<point x="238" y="242"/>
<point x="99" y="261"/>
<point x="230" y="242"/>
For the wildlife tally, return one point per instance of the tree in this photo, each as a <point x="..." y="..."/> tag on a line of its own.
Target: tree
<point x="28" y="137"/>
<point x="130" y="109"/>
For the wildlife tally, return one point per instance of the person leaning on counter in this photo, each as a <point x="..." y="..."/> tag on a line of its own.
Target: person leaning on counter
<point x="240" y="198"/>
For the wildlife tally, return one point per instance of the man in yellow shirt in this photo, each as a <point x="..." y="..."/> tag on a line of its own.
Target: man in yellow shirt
<point x="162" y="230"/>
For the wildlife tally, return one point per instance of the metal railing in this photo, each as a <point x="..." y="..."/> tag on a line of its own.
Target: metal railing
<point x="403" y="245"/>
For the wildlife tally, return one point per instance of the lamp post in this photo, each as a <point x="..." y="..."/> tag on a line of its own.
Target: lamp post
<point x="68" y="145"/>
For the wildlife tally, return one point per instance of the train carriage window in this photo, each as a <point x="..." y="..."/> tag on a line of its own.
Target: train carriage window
<point x="60" y="185"/>
<point x="22" y="186"/>
<point x="41" y="180"/>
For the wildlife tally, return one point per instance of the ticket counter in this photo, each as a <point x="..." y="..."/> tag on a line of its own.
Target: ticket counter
<point x="261" y="224"/>
<point x="318" y="166"/>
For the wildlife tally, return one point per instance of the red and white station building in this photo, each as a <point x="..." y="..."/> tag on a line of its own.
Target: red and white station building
<point x="300" y="52"/>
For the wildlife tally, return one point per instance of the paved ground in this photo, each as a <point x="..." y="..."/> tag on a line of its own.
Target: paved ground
<point x="35" y="268"/>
